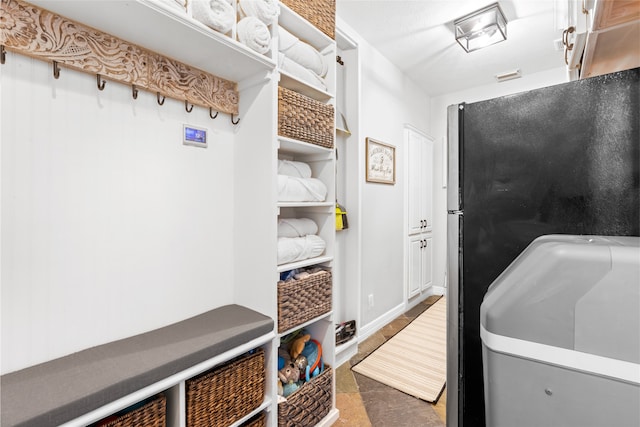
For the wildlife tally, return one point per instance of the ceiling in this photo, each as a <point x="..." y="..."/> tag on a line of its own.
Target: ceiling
<point x="418" y="37"/>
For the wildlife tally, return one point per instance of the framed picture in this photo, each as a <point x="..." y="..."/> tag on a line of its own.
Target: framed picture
<point x="380" y="162"/>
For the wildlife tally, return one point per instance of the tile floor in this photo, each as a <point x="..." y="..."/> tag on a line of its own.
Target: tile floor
<point x="364" y="402"/>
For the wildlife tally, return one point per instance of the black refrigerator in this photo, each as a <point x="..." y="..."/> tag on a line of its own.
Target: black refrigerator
<point x="558" y="160"/>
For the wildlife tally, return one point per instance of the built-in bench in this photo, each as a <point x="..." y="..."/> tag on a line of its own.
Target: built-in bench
<point x="61" y="390"/>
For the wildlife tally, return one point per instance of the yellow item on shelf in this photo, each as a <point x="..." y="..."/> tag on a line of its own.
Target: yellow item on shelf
<point x="341" y="218"/>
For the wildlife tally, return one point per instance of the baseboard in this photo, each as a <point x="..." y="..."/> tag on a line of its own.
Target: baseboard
<point x="439" y="290"/>
<point x="371" y="328"/>
<point x="346" y="351"/>
<point x="330" y="419"/>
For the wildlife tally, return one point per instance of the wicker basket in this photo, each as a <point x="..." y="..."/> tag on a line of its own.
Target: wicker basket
<point x="308" y="405"/>
<point x="304" y="118"/>
<point x="259" y="420"/>
<point x="304" y="299"/>
<point x="226" y="393"/>
<point x="321" y="13"/>
<point x="152" y="414"/>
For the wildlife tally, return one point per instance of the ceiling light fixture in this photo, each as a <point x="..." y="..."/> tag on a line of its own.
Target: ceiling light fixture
<point x="481" y="28"/>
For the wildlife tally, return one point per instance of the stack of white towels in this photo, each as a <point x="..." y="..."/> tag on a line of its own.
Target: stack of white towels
<point x="295" y="183"/>
<point x="177" y="5"/>
<point x="255" y="17"/>
<point x="216" y="14"/>
<point x="301" y="60"/>
<point x="297" y="240"/>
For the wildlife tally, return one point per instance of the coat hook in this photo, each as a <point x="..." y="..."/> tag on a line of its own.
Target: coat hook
<point x="236" y="122"/>
<point x="56" y="70"/>
<point x="160" y="101"/>
<point x="100" y="82"/>
<point x="186" y="106"/>
<point x="134" y="91"/>
<point x="3" y="54"/>
<point x="211" y="115"/>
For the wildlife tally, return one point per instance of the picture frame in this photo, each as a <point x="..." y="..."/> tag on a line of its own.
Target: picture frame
<point x="380" y="162"/>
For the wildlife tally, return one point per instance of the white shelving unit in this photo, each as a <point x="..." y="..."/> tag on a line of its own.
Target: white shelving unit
<point x="322" y="163"/>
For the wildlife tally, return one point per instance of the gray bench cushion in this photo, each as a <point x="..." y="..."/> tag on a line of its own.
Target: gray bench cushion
<point x="60" y="390"/>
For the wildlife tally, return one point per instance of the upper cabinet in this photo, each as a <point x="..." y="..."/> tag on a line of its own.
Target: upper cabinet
<point x="613" y="40"/>
<point x="601" y="37"/>
<point x="420" y="182"/>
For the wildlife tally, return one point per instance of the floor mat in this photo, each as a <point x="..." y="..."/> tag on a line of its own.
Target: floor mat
<point x="414" y="360"/>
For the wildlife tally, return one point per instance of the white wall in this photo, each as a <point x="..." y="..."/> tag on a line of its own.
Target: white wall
<point x="438" y="127"/>
<point x="110" y="226"/>
<point x="389" y="100"/>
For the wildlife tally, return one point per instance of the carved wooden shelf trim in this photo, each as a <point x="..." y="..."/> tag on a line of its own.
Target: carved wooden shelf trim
<point x="36" y="32"/>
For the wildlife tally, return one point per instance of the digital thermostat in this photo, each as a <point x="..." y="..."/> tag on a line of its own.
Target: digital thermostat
<point x="195" y="136"/>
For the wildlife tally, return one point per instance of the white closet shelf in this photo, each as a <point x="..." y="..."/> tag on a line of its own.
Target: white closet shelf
<point x="304" y="263"/>
<point x="305" y="204"/>
<point x="310" y="322"/>
<point x="295" y="146"/>
<point x="161" y="29"/>
<point x="291" y="82"/>
<point x="298" y="26"/>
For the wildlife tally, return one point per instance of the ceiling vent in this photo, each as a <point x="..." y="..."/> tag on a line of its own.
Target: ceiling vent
<point x="510" y="75"/>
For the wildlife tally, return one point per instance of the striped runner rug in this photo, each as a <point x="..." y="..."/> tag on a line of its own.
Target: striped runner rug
<point x="414" y="360"/>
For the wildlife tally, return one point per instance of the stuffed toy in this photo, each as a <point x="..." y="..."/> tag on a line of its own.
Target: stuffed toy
<point x="313" y="352"/>
<point x="297" y="346"/>
<point x="290" y="373"/>
<point x="301" y="363"/>
<point x="283" y="358"/>
<point x="289" y="376"/>
<point x="289" y="388"/>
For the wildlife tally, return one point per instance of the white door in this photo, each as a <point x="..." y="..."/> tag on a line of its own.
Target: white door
<point x="426" y="278"/>
<point x="420" y="182"/>
<point x="414" y="273"/>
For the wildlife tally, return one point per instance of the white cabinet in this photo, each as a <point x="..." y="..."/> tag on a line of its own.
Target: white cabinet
<point x="574" y="35"/>
<point x="420" y="261"/>
<point x="419" y="181"/>
<point x="601" y="37"/>
<point x="419" y="211"/>
<point x="612" y="40"/>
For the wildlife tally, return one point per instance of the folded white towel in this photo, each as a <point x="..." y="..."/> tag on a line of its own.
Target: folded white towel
<point x="255" y="34"/>
<point x="293" y="189"/>
<point x="293" y="168"/>
<point x="301" y="52"/>
<point x="178" y="5"/>
<point x="216" y="14"/>
<point x="299" y="248"/>
<point x="296" y="227"/>
<point x="265" y="10"/>
<point x="301" y="73"/>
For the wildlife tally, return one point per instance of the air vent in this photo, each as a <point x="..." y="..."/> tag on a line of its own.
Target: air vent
<point x="510" y="75"/>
